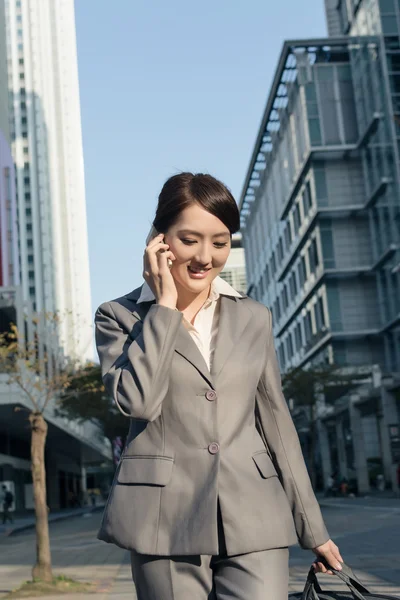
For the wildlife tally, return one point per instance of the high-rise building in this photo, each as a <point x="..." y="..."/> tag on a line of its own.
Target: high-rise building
<point x="45" y="267"/>
<point x="320" y="214"/>
<point x="9" y="263"/>
<point x="234" y="271"/>
<point x="47" y="149"/>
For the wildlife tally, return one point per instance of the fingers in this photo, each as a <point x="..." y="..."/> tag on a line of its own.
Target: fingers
<point x="155" y="241"/>
<point x="163" y="260"/>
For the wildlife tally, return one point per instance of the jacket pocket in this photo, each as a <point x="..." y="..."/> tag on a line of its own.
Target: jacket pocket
<point x="145" y="470"/>
<point x="264" y="464"/>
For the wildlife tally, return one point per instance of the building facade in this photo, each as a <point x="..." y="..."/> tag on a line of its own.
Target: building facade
<point x="320" y="214"/>
<point x="9" y="263"/>
<point x="234" y="271"/>
<point x="43" y="240"/>
<point x="47" y="149"/>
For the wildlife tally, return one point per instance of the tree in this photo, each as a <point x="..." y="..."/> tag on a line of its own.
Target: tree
<point x="306" y="386"/>
<point x="86" y="399"/>
<point x="32" y="367"/>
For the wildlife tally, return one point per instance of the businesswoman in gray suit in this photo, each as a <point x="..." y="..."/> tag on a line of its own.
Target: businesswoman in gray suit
<point x="212" y="488"/>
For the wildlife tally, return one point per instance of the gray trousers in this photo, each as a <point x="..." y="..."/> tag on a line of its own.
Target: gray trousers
<point x="255" y="576"/>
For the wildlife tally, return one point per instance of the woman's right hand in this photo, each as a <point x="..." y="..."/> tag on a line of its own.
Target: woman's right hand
<point x="157" y="273"/>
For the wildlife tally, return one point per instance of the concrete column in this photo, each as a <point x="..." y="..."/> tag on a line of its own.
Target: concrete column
<point x="385" y="450"/>
<point x="341" y="446"/>
<point x="360" y="458"/>
<point x="390" y="416"/>
<point x="325" y="450"/>
<point x="84" y="498"/>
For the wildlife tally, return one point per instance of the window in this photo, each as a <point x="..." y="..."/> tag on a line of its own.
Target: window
<point x="307" y="201"/>
<point x="313" y="256"/>
<point x="289" y="345"/>
<point x="320" y="314"/>
<point x="29" y="226"/>
<point x="27" y="196"/>
<point x="280" y="250"/>
<point x="334" y="308"/>
<point x="327" y="246"/>
<point x="298" y="336"/>
<point x="277" y="309"/>
<point x="302" y="271"/>
<point x="32" y="290"/>
<point x="285" y="298"/>
<point x="273" y="264"/>
<point x="288" y="235"/>
<point x="28" y="212"/>
<point x="30" y="259"/>
<point x="29" y="243"/>
<point x="293" y="285"/>
<point x="389" y="25"/>
<point x="296" y="218"/>
<point x="308" y="326"/>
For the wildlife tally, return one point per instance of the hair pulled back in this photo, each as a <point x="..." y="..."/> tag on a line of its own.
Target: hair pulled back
<point x="184" y="189"/>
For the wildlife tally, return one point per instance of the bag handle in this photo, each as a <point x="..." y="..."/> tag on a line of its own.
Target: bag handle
<point x="312" y="587"/>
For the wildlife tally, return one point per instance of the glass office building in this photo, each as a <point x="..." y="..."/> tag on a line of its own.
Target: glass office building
<point x="320" y="212"/>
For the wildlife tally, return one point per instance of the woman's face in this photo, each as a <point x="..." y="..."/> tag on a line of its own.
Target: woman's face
<point x="201" y="244"/>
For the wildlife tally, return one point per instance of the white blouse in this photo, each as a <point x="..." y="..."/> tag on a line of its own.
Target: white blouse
<point x="205" y="327"/>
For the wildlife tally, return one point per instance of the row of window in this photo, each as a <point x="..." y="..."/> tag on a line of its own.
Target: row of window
<point x="303" y="334"/>
<point x="295" y="281"/>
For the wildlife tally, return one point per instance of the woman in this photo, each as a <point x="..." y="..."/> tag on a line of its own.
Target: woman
<point x="212" y="487"/>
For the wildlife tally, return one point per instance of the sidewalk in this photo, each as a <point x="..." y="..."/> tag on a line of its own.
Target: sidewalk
<point x="28" y="522"/>
<point x="370" y="502"/>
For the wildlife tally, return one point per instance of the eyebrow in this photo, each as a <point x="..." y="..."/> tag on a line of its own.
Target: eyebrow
<point x="196" y="233"/>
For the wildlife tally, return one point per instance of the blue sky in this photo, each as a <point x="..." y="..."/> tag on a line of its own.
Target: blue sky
<point x="166" y="87"/>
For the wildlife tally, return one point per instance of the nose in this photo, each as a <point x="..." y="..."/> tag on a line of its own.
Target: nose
<point x="203" y="255"/>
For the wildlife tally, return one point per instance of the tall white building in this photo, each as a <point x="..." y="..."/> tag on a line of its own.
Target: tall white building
<point x="47" y="149"/>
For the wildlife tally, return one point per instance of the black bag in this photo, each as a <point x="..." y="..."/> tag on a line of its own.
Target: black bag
<point x="357" y="591"/>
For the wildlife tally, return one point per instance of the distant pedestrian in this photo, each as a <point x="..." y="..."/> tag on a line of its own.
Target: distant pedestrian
<point x="7" y="500"/>
<point x="344" y="486"/>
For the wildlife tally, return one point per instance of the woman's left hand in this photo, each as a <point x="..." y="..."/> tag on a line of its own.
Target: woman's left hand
<point x="330" y="552"/>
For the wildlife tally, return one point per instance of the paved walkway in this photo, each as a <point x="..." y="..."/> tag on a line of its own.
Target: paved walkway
<point x="366" y="531"/>
<point x="28" y="522"/>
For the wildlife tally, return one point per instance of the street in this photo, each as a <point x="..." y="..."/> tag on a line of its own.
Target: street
<point x="366" y="531"/>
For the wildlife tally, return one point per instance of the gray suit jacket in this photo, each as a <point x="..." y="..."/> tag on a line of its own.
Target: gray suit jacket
<point x="197" y="436"/>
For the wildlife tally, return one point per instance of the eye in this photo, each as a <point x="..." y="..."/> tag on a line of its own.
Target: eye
<point x="220" y="244"/>
<point x="188" y="242"/>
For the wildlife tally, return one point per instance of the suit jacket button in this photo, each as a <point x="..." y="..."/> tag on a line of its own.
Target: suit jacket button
<point x="211" y="395"/>
<point x="213" y="448"/>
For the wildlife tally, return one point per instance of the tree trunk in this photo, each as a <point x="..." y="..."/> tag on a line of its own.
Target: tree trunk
<point x="42" y="568"/>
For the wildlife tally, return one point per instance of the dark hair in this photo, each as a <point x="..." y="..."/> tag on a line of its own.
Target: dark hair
<point x="184" y="189"/>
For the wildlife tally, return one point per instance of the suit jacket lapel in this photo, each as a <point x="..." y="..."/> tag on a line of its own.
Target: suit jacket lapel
<point x="233" y="319"/>
<point x="185" y="346"/>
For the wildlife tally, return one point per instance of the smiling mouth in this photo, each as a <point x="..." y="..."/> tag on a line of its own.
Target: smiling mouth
<point x="194" y="270"/>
